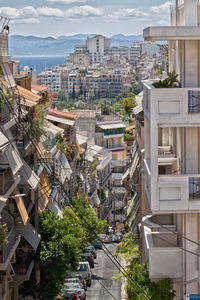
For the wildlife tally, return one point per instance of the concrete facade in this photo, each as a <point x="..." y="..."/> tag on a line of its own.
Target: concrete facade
<point x="172" y="158"/>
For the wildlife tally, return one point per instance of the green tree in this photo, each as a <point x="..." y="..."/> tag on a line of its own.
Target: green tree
<point x="128" y="104"/>
<point x="62" y="96"/>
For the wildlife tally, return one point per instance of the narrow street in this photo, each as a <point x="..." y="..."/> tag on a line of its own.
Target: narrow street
<point x="103" y="271"/>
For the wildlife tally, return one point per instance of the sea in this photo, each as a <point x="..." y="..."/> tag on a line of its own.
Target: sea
<point x="39" y="62"/>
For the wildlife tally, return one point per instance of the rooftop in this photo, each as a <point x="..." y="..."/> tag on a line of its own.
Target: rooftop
<point x="31" y="98"/>
<point x="62" y="114"/>
<point x="39" y="88"/>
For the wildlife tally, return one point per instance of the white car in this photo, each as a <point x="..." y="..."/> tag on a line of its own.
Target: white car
<point x="84" y="269"/>
<point x="70" y="286"/>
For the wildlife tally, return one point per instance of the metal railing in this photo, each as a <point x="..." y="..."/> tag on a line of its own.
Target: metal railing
<point x="193" y="101"/>
<point x="194" y="188"/>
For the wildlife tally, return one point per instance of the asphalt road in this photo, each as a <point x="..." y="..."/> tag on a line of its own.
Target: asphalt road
<point x="103" y="271"/>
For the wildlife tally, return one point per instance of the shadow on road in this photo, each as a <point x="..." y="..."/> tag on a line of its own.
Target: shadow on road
<point x="95" y="277"/>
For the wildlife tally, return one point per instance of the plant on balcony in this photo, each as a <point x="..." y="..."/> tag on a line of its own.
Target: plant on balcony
<point x="93" y="165"/>
<point x="170" y="82"/>
<point x="38" y="121"/>
<point x="129" y="136"/>
<point x="4" y="97"/>
<point x="61" y="145"/>
<point x="3" y="238"/>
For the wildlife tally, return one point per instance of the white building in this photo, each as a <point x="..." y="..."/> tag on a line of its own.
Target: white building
<point x="172" y="157"/>
<point x="149" y="48"/>
<point x="98" y="47"/>
<point x="51" y="78"/>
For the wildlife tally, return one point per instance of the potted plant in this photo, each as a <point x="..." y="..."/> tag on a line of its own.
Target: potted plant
<point x="129" y="137"/>
<point x="3" y="238"/>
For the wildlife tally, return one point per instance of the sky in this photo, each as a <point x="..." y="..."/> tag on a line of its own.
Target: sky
<point x="68" y="17"/>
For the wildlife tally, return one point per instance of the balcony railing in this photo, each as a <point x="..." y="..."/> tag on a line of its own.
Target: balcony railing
<point x="194" y="188"/>
<point x="6" y="180"/>
<point x="162" y="246"/>
<point x="193" y="101"/>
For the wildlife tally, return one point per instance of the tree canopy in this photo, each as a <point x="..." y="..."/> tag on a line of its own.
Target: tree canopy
<point x="128" y="104"/>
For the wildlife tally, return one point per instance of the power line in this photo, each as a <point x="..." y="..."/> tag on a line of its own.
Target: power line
<point x="63" y="190"/>
<point x="105" y="288"/>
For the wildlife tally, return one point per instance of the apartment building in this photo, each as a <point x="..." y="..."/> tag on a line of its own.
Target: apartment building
<point x="51" y="78"/>
<point x="109" y="134"/>
<point x="97" y="47"/>
<point x="172" y="157"/>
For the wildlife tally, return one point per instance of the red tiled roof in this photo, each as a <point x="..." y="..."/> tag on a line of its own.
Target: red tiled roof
<point x="62" y="114"/>
<point x="39" y="88"/>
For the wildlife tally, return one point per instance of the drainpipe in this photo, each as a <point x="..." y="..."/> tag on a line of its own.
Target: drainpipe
<point x="177" y="40"/>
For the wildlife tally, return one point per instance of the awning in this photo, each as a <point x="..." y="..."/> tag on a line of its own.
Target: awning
<point x="3" y="141"/>
<point x="65" y="168"/>
<point x="29" y="175"/>
<point x="137" y="109"/>
<point x="95" y="199"/>
<point x="125" y="175"/>
<point x="14" y="158"/>
<point x="118" y="190"/>
<point x="21" y="207"/>
<point x="54" y="207"/>
<point x="130" y="127"/>
<point x="45" y="185"/>
<point x="43" y="200"/>
<point x="2" y="202"/>
<point x="44" y="193"/>
<point x="29" y="233"/>
<point x="135" y="162"/>
<point x="60" y="120"/>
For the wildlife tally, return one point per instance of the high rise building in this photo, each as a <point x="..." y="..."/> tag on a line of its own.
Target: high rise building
<point x="172" y="157"/>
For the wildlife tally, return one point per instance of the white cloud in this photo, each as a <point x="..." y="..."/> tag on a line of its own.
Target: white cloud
<point x="161" y="8"/>
<point x="25" y="21"/>
<point x="84" y="11"/>
<point x="49" y="12"/>
<point x="69" y="1"/>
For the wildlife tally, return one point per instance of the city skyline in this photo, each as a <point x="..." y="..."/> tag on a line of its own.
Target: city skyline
<point x="68" y="17"/>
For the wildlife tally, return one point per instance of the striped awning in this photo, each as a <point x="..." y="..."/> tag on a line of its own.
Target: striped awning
<point x="21" y="207"/>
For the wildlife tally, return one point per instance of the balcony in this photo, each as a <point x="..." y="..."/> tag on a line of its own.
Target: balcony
<point x="164" y="257"/>
<point x="24" y="265"/>
<point x="167" y="33"/>
<point x="6" y="180"/>
<point x="172" y="105"/>
<point x="9" y="249"/>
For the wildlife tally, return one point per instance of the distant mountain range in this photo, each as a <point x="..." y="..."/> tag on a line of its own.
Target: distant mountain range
<point x="20" y="45"/>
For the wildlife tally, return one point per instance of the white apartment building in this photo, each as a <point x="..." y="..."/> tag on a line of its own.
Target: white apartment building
<point x="149" y="48"/>
<point x="172" y="157"/>
<point x="98" y="47"/>
<point x="51" y="78"/>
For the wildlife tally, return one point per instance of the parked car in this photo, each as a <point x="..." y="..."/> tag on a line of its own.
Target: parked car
<point x="97" y="243"/>
<point x="68" y="295"/>
<point x="104" y="238"/>
<point x="84" y="270"/>
<point x="92" y="249"/>
<point x="76" y="287"/>
<point x="79" y="277"/>
<point x="74" y="280"/>
<point x="115" y="238"/>
<point x="87" y="257"/>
